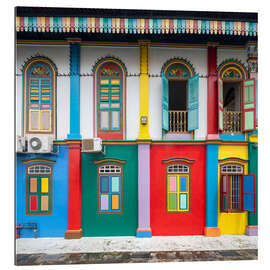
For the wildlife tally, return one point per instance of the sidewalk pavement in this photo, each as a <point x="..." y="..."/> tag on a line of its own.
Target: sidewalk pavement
<point x="132" y="249"/>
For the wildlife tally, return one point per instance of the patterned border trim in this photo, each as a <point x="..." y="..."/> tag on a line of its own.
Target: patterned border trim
<point x="134" y="26"/>
<point x="232" y="159"/>
<point x="178" y="159"/>
<point x="38" y="160"/>
<point x="181" y="61"/>
<point x="109" y="160"/>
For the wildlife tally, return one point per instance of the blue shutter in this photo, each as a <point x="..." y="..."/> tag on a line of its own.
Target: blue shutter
<point x="193" y="103"/>
<point x="165" y="103"/>
<point x="249" y="193"/>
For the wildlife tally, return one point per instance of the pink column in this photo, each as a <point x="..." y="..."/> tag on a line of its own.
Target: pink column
<point x="144" y="229"/>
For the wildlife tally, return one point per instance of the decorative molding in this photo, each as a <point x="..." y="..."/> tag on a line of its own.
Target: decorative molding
<point x="37" y="160"/>
<point x="233" y="64"/>
<point x="105" y="160"/>
<point x="178" y="159"/>
<point x="180" y="61"/>
<point x="90" y="25"/>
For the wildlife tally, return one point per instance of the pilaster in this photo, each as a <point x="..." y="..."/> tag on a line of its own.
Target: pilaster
<point x="74" y="48"/>
<point x="144" y="91"/>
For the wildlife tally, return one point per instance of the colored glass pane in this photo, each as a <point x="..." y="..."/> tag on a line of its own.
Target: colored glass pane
<point x="183" y="201"/>
<point x="104" y="199"/>
<point x="45" y="120"/>
<point x="44" y="203"/>
<point x="33" y="203"/>
<point x="172" y="201"/>
<point x="33" y="185"/>
<point x="34" y="120"/>
<point x="104" y="187"/>
<point x="115" y="202"/>
<point x="115" y="184"/>
<point x="44" y="185"/>
<point x="172" y="184"/>
<point x="183" y="184"/>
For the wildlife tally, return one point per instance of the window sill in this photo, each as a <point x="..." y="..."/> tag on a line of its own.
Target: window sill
<point x="177" y="136"/>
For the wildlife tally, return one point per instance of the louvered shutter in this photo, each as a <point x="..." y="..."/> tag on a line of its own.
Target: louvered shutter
<point x="249" y="193"/>
<point x="165" y="103"/>
<point x="249" y="105"/>
<point x="225" y="193"/>
<point x="193" y="103"/>
<point x="220" y="104"/>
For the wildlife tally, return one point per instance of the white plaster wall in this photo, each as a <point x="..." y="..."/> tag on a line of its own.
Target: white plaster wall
<point x="130" y="57"/>
<point x="59" y="54"/>
<point x="157" y="57"/>
<point x="225" y="54"/>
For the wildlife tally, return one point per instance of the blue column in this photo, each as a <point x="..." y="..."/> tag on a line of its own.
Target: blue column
<point x="212" y="190"/>
<point x="74" y="133"/>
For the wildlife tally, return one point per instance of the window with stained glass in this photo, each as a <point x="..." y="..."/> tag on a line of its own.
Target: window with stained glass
<point x="178" y="191"/>
<point x="110" y="189"/>
<point x="39" y="102"/>
<point x="38" y="199"/>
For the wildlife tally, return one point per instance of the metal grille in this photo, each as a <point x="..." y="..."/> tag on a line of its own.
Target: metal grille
<point x="235" y="192"/>
<point x="39" y="169"/>
<point x="110" y="169"/>
<point x="178" y="168"/>
<point x="232" y="168"/>
<point x="232" y="122"/>
<point x="178" y="121"/>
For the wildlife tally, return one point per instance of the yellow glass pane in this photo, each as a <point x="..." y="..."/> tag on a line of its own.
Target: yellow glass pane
<point x="44" y="185"/>
<point x="115" y="81"/>
<point x="104" y="81"/>
<point x="115" y="202"/>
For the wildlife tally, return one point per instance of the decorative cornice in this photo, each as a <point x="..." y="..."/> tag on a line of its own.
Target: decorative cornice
<point x="38" y="160"/>
<point x="64" y="24"/>
<point x="109" y="160"/>
<point x="178" y="159"/>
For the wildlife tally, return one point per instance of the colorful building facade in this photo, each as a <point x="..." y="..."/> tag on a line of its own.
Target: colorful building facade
<point x="172" y="97"/>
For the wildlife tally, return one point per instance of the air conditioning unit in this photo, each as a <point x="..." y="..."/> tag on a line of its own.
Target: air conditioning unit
<point x="40" y="144"/>
<point x="92" y="145"/>
<point x="20" y="144"/>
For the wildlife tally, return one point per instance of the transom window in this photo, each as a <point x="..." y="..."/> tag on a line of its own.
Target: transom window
<point x="39" y="169"/>
<point x="178" y="168"/>
<point x="110" y="169"/>
<point x="232" y="168"/>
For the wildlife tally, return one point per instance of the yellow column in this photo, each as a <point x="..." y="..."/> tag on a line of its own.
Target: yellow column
<point x="144" y="91"/>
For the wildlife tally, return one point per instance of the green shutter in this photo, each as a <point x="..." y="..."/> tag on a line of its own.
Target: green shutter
<point x="193" y="103"/>
<point x="165" y="103"/>
<point x="249" y="105"/>
<point x="220" y="104"/>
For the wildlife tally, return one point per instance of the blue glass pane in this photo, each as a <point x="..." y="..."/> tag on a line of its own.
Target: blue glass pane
<point x="183" y="184"/>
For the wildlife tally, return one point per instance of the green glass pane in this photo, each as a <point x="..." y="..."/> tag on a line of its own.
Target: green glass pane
<point x="249" y="106"/>
<point x="224" y="202"/>
<point x="172" y="201"/>
<point x="183" y="201"/>
<point x="115" y="184"/>
<point x="220" y="119"/>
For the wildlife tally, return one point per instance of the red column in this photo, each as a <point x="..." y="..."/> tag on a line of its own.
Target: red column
<point x="74" y="193"/>
<point x="212" y="132"/>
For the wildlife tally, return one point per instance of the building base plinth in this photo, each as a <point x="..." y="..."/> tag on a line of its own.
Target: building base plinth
<point x="143" y="233"/>
<point x="211" y="232"/>
<point x="73" y="234"/>
<point x="252" y="230"/>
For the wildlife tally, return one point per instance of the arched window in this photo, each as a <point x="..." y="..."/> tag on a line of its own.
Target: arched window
<point x="110" y="99"/>
<point x="178" y="188"/>
<point x="110" y="188"/>
<point x="236" y="98"/>
<point x="39" y="189"/>
<point x="180" y="96"/>
<point x="39" y="97"/>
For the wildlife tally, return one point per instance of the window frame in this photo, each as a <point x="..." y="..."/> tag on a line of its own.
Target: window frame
<point x="26" y="97"/>
<point x="178" y="179"/>
<point x="228" y="174"/>
<point x="38" y="193"/>
<point x="110" y="193"/>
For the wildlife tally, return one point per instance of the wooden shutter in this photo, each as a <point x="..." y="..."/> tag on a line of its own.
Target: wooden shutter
<point x="220" y="104"/>
<point x="249" y="192"/>
<point x="165" y="102"/>
<point x="225" y="193"/>
<point x="249" y="105"/>
<point x="193" y="103"/>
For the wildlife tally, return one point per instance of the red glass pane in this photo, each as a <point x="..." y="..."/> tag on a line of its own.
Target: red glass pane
<point x="33" y="203"/>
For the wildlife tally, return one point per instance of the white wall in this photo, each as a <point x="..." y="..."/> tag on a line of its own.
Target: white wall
<point x="157" y="57"/>
<point x="59" y="54"/>
<point x="226" y="54"/>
